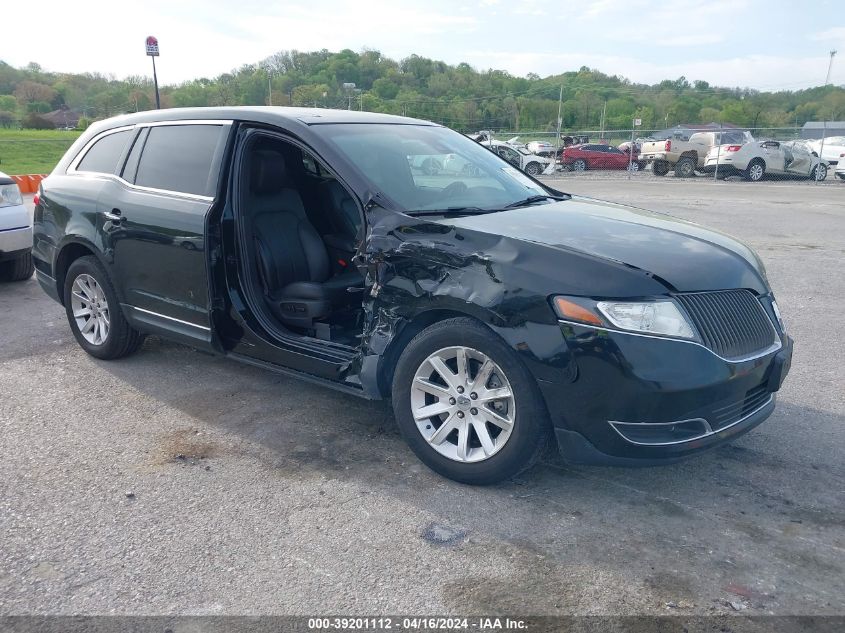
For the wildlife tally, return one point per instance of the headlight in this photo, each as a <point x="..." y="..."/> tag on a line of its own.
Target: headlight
<point x="661" y="317"/>
<point x="10" y="196"/>
<point x="653" y="317"/>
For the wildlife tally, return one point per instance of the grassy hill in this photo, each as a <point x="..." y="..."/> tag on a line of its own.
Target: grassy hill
<point x="33" y="151"/>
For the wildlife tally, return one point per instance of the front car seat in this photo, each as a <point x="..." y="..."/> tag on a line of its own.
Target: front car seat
<point x="292" y="261"/>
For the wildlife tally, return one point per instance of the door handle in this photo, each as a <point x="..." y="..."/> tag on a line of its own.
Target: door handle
<point x="114" y="215"/>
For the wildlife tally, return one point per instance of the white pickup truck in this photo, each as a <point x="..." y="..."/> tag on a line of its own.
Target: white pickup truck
<point x="687" y="156"/>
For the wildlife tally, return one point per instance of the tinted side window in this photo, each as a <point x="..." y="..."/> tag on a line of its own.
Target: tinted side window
<point x="104" y="155"/>
<point x="178" y="158"/>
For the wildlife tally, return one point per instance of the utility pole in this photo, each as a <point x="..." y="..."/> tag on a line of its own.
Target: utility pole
<point x="829" y="67"/>
<point x="559" y="118"/>
<point x="269" y="89"/>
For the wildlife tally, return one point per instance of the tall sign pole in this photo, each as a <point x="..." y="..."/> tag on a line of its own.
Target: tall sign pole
<point x="152" y="52"/>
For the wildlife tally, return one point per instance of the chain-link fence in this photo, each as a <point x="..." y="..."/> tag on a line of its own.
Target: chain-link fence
<point x="722" y="151"/>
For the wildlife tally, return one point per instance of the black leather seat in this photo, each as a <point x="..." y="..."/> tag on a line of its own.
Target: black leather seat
<point x="292" y="260"/>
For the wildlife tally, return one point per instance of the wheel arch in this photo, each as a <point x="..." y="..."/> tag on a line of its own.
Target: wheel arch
<point x="68" y="253"/>
<point x="413" y="326"/>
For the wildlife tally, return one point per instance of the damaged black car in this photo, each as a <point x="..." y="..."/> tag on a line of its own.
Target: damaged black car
<point x="394" y="258"/>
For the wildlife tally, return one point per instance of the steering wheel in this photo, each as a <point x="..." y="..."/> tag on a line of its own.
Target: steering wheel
<point x="454" y="189"/>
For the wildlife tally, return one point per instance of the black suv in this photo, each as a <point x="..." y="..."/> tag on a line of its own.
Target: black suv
<point x="496" y="312"/>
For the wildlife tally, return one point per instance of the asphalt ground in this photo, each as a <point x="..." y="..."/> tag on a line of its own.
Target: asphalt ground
<point x="174" y="482"/>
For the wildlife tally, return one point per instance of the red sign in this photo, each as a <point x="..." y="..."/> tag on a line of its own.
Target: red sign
<point x="152" y="46"/>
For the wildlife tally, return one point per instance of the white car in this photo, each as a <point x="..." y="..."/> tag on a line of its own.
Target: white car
<point x="756" y="159"/>
<point x="840" y="167"/>
<point x="531" y="164"/>
<point x="15" y="233"/>
<point x="834" y="147"/>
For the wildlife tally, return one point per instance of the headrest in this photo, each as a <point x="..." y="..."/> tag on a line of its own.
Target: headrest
<point x="269" y="172"/>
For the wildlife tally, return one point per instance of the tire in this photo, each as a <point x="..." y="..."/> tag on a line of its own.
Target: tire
<point x="661" y="168"/>
<point x="685" y="168"/>
<point x="819" y="172"/>
<point x="841" y="176"/>
<point x="634" y="166"/>
<point x="533" y="169"/>
<point x="755" y="171"/>
<point x="505" y="452"/>
<point x="579" y="165"/>
<point x="18" y="269"/>
<point x="119" y="339"/>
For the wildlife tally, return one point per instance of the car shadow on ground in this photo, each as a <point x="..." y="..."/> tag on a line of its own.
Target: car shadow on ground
<point x="744" y="511"/>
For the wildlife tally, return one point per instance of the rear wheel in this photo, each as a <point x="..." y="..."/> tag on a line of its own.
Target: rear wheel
<point x="466" y="404"/>
<point x="685" y="168"/>
<point x="579" y="165"/>
<point x="755" y="171"/>
<point x="661" y="168"/>
<point x="819" y="172"/>
<point x="94" y="313"/>
<point x="18" y="269"/>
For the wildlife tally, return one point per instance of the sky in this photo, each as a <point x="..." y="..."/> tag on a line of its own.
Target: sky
<point x="763" y="44"/>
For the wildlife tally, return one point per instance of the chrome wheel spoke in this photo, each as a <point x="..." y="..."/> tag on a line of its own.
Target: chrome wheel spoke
<point x="444" y="372"/>
<point x="82" y="312"/>
<point x="439" y="436"/>
<point x="431" y="410"/>
<point x="491" y="395"/>
<point x="494" y="418"/>
<point x="463" y="442"/>
<point x="484" y="437"/>
<point x="432" y="388"/>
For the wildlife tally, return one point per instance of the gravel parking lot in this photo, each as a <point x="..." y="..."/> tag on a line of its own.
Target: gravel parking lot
<point x="174" y="482"/>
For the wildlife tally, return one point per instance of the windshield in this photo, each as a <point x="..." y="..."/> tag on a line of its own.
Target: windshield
<point x="425" y="168"/>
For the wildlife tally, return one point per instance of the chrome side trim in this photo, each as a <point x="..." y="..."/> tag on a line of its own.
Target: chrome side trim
<point x="614" y="423"/>
<point x="169" y="318"/>
<point x="769" y="350"/>
<point x="71" y="170"/>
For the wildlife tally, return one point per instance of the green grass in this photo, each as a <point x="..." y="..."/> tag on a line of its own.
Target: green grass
<point x="33" y="151"/>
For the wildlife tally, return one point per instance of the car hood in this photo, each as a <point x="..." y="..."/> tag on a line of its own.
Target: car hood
<point x="683" y="256"/>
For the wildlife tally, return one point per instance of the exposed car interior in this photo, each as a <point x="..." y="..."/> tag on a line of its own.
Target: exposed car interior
<point x="300" y="229"/>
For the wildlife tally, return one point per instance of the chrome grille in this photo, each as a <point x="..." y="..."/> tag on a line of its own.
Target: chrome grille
<point x="732" y="323"/>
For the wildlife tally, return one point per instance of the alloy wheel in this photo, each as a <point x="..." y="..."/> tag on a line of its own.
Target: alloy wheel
<point x="755" y="172"/>
<point x="579" y="165"/>
<point x="90" y="309"/>
<point x="463" y="404"/>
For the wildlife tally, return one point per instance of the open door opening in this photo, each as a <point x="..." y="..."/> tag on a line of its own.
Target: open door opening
<point x="298" y="229"/>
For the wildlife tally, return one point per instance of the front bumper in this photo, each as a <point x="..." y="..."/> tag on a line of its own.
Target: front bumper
<point x="15" y="242"/>
<point x="640" y="400"/>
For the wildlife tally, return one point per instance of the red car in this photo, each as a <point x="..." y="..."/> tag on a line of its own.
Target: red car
<point x="593" y="156"/>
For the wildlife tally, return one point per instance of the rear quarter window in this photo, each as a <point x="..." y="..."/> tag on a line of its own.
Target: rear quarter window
<point x="104" y="156"/>
<point x="179" y="158"/>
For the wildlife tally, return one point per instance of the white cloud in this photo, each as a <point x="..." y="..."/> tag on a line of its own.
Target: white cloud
<point x="837" y="33"/>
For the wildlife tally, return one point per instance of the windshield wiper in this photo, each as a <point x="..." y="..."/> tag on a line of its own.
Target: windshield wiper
<point x="450" y="211"/>
<point x="533" y="199"/>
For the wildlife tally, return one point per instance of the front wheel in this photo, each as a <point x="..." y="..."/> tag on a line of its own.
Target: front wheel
<point x="819" y="172"/>
<point x="94" y="313"/>
<point x="533" y="169"/>
<point x="466" y="405"/>
<point x="579" y="165"/>
<point x="18" y="269"/>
